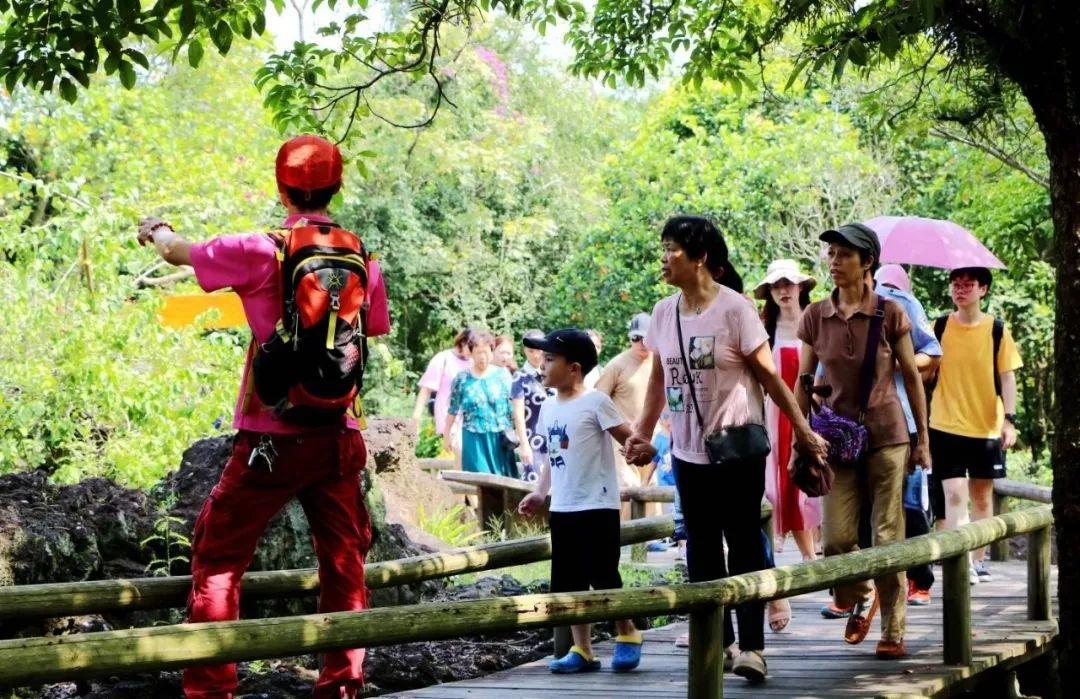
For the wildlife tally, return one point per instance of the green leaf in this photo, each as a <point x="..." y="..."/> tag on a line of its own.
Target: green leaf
<point x="194" y="53"/>
<point x="103" y="12"/>
<point x="840" y="64"/>
<point x="856" y="51"/>
<point x="129" y="10"/>
<point x="138" y="57"/>
<point x="127" y="75"/>
<point x="11" y="79"/>
<point x="187" y="17"/>
<point x="259" y="23"/>
<point x="890" y="40"/>
<point x="222" y="36"/>
<point x="79" y="74"/>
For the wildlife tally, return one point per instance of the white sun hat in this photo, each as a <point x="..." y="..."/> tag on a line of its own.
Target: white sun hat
<point x="783" y="269"/>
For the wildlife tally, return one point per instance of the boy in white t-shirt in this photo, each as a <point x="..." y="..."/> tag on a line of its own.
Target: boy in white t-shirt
<point x="581" y="475"/>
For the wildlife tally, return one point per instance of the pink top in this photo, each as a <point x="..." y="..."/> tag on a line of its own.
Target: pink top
<point x="717" y="343"/>
<point x="247" y="264"/>
<point x="440" y="373"/>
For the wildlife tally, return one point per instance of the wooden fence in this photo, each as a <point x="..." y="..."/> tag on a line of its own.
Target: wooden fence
<point x="98" y="596"/>
<point x="36" y="660"/>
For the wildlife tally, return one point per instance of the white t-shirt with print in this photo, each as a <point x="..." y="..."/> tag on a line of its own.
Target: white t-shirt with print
<point x="580" y="451"/>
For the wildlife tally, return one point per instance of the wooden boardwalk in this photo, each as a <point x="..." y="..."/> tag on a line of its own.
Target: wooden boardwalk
<point x="809" y="659"/>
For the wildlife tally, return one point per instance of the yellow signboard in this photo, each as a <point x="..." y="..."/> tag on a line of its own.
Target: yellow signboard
<point x="184" y="309"/>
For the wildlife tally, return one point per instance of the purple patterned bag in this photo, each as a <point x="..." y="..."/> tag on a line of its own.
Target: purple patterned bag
<point x="846" y="437"/>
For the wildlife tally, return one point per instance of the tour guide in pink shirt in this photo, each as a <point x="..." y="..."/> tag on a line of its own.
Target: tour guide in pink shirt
<point x="711" y="358"/>
<point x="319" y="465"/>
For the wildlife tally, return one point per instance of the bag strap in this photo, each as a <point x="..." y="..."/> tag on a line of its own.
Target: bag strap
<point x="869" y="363"/>
<point x="939" y="326"/>
<point x="686" y="365"/>
<point x="998" y="333"/>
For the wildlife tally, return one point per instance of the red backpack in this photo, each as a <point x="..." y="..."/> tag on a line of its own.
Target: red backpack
<point x="311" y="369"/>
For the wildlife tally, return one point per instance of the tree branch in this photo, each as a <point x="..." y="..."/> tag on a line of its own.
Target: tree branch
<point x="992" y="150"/>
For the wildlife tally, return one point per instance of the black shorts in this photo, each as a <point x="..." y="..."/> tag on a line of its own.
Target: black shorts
<point x="955" y="456"/>
<point x="585" y="550"/>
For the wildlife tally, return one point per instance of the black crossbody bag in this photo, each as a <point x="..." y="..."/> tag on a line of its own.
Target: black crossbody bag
<point x="732" y="442"/>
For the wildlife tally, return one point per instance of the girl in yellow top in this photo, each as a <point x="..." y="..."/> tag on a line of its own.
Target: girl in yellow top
<point x="972" y="413"/>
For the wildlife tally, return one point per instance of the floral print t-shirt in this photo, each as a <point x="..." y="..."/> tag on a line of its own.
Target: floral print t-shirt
<point x="484" y="402"/>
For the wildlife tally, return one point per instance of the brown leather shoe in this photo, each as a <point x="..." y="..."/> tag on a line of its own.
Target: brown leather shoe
<point x="858" y="624"/>
<point x="891" y="650"/>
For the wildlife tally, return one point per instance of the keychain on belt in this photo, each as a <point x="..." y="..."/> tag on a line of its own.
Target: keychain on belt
<point x="263" y="455"/>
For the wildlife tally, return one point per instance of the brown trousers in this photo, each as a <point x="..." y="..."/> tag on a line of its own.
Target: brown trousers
<point x="882" y="483"/>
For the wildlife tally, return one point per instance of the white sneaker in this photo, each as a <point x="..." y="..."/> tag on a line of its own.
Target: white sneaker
<point x="973" y="576"/>
<point x="750" y="664"/>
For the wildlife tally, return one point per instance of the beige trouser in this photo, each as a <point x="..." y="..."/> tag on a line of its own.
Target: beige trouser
<point x="884" y="481"/>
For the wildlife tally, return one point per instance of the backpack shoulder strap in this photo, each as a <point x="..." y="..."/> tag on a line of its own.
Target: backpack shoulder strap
<point x="997" y="333"/>
<point x="939" y="326"/>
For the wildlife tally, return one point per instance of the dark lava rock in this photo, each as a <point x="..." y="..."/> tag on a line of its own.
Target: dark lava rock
<point x="61" y="533"/>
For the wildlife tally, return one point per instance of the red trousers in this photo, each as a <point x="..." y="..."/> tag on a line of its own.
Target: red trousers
<point x="321" y="469"/>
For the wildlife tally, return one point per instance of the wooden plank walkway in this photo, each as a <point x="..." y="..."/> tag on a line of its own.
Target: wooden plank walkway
<point x="809" y="659"/>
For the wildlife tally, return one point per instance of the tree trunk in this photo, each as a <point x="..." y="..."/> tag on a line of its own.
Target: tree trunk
<point x="1060" y="124"/>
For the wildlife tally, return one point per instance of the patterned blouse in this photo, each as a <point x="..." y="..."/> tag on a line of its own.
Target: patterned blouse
<point x="483" y="403"/>
<point x="529" y="388"/>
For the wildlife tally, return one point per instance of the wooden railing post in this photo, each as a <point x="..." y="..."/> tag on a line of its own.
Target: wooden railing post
<point x="638" y="552"/>
<point x="956" y="610"/>
<point x="1038" y="560"/>
<point x="706" y="673"/>
<point x="999" y="550"/>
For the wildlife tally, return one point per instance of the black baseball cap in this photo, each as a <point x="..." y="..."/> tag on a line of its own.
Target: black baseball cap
<point x="855" y="235"/>
<point x="573" y="344"/>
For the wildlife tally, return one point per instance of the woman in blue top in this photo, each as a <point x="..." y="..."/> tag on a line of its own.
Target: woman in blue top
<point x="481" y="396"/>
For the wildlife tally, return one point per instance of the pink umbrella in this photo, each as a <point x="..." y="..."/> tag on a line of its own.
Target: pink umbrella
<point x="929" y="242"/>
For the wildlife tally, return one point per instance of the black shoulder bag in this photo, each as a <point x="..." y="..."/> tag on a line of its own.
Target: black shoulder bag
<point x="732" y="442"/>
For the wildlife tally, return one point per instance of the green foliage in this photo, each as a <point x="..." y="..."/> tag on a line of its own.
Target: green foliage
<point x="754" y="162"/>
<point x="454" y="525"/>
<point x="430" y="443"/>
<point x="107" y="391"/>
<point x="168" y="544"/>
<point x="536" y="202"/>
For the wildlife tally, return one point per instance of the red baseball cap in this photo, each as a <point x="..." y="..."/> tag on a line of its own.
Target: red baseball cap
<point x="308" y="162"/>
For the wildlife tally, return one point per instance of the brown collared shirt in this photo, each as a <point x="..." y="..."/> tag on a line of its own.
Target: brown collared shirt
<point x="840" y="346"/>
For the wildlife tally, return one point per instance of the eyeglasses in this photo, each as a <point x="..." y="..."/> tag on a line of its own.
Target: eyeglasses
<point x="962" y="286"/>
<point x="637" y="338"/>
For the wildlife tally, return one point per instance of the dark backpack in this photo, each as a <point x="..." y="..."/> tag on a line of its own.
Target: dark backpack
<point x="311" y="369"/>
<point x="997" y="333"/>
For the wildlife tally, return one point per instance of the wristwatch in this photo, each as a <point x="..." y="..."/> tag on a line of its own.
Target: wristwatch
<point x="1011" y="417"/>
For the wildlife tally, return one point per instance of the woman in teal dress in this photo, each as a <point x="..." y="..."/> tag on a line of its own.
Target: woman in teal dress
<point x="480" y="397"/>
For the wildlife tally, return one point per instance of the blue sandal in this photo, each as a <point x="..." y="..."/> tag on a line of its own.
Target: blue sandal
<point x="574" y="662"/>
<point x="627" y="653"/>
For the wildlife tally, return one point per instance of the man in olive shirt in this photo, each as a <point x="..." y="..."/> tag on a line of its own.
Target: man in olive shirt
<point x="625" y="379"/>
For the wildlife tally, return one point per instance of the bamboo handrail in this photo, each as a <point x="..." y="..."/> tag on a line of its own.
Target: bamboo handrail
<point x="1025" y="491"/>
<point x="36" y="660"/>
<point x="95" y="597"/>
